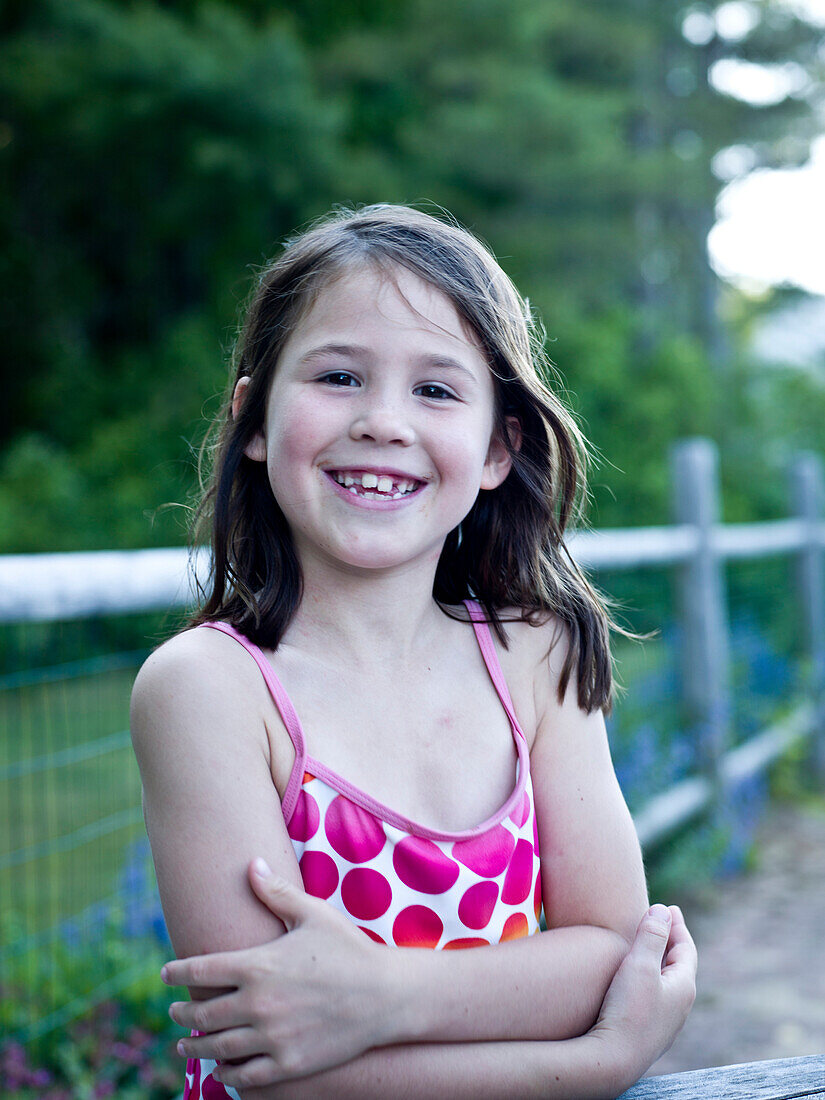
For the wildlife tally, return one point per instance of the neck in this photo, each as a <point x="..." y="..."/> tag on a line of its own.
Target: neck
<point x="362" y="620"/>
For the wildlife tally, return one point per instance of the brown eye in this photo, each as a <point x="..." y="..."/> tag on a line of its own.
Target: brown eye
<point x="339" y="378"/>
<point x="434" y="392"/>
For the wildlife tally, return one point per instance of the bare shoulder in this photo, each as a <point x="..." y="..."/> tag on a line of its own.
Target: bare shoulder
<point x="532" y="664"/>
<point x="210" y="801"/>
<point x="542" y="641"/>
<point x="192" y="654"/>
<point x="540" y="645"/>
<point x="195" y="675"/>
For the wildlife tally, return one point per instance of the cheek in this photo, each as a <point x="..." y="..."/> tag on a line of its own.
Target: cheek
<point x="293" y="434"/>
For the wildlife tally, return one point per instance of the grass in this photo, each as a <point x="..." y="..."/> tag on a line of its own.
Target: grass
<point x="61" y="807"/>
<point x="56" y="787"/>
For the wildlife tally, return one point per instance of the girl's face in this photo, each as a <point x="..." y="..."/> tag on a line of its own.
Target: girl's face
<point x="379" y="423"/>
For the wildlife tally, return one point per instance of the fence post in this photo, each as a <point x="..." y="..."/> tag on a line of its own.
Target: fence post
<point x="703" y="605"/>
<point x="808" y="495"/>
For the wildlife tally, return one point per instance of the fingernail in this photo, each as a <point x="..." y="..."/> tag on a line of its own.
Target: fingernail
<point x="659" y="913"/>
<point x="181" y="1048"/>
<point x="164" y="974"/>
<point x="261" y="867"/>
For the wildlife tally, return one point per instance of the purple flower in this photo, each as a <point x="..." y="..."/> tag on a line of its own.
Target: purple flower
<point x="126" y="1053"/>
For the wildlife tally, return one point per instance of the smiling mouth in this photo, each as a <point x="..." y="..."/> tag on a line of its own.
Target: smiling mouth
<point x="375" y="486"/>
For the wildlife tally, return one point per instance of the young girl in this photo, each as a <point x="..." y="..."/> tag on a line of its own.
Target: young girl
<point x="394" y="699"/>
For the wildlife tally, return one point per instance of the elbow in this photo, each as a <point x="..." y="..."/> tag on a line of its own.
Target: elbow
<point x="617" y="946"/>
<point x="608" y="957"/>
<point x="616" y="951"/>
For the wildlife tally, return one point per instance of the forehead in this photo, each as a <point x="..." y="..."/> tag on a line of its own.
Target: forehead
<point x="367" y="302"/>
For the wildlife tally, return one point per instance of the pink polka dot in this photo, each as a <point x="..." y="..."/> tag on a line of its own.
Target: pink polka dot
<point x="353" y="832"/>
<point x="305" y="818"/>
<point x="515" y="927"/>
<point x="366" y="894"/>
<point x="319" y="873"/>
<point x="487" y="854"/>
<point x="421" y="865"/>
<point x="477" y="905"/>
<point x="468" y="941"/>
<point x="372" y="935"/>
<point x="417" y="926"/>
<point x="519" y="877"/>
<point x="519" y="814"/>
<point x="212" y="1089"/>
<point x="537" y="897"/>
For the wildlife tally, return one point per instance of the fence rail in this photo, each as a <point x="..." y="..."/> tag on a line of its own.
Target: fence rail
<point x="52" y="587"/>
<point x="46" y="587"/>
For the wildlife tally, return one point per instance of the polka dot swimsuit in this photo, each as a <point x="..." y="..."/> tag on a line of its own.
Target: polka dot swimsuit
<point x="402" y="883"/>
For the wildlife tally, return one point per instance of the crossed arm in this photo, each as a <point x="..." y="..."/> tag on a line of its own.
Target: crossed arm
<point x="645" y="1005"/>
<point x="325" y="1011"/>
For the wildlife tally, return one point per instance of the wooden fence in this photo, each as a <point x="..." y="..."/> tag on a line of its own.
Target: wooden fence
<point x="48" y="587"/>
<point x="52" y="587"/>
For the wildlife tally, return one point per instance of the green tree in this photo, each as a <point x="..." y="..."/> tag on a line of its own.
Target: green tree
<point x="153" y="151"/>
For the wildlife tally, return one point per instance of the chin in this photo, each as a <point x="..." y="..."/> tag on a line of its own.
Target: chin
<point x="382" y="560"/>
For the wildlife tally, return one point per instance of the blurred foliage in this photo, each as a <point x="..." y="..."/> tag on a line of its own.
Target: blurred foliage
<point x="121" y="1048"/>
<point x="153" y="151"/>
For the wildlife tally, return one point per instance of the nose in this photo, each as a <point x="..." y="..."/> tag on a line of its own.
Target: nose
<point x="382" y="419"/>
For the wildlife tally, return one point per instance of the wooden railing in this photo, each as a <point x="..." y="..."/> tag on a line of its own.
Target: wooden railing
<point x="48" y="587"/>
<point x="61" y="586"/>
<point x="783" y="1079"/>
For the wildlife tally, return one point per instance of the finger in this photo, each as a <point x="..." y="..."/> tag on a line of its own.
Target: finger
<point x="256" y="1072"/>
<point x="652" y="935"/>
<point x="216" y="1014"/>
<point x="681" y="948"/>
<point x="218" y="971"/>
<point x="283" y="899"/>
<point x="679" y="932"/>
<point x="240" y="1042"/>
<point x="677" y="917"/>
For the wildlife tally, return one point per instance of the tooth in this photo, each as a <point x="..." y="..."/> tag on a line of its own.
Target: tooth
<point x="369" y="481"/>
<point x="404" y="486"/>
<point x="384" y="484"/>
<point x="348" y="480"/>
<point x="352" y="489"/>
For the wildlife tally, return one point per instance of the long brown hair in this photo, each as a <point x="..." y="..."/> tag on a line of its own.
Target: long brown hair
<point x="509" y="552"/>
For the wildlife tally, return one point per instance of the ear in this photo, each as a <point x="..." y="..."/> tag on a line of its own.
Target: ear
<point x="499" y="461"/>
<point x="256" y="447"/>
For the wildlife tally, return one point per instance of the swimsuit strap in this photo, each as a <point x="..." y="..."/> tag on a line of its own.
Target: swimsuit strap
<point x="488" y="652"/>
<point x="293" y="724"/>
<point x="285" y="708"/>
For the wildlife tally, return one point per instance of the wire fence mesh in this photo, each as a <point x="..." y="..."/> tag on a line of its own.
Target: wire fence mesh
<point x="75" y="871"/>
<point x="76" y="879"/>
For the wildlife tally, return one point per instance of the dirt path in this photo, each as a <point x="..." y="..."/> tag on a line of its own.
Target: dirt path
<point x="761" y="940"/>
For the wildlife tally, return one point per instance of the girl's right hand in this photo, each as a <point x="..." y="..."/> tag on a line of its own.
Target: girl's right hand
<point x="651" y="994"/>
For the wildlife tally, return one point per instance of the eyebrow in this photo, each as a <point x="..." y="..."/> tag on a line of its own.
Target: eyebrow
<point x="356" y="351"/>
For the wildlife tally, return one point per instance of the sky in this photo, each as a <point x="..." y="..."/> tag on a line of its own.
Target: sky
<point x="770" y="226"/>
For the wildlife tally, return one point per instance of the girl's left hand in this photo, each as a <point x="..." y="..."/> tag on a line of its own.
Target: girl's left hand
<point x="299" y="1004"/>
<point x="651" y="994"/>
